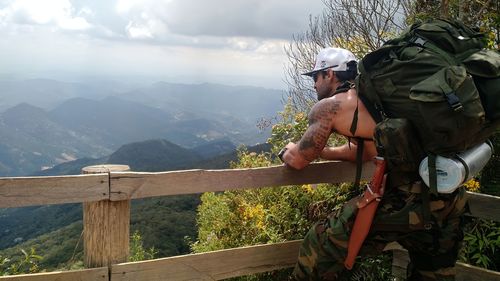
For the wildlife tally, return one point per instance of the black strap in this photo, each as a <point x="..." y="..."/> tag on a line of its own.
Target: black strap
<point x="426" y="209"/>
<point x="344" y="87"/>
<point x="432" y="173"/>
<point x="370" y="106"/>
<point x="426" y="192"/>
<point x="374" y="106"/>
<point x="359" y="162"/>
<point x="354" y="124"/>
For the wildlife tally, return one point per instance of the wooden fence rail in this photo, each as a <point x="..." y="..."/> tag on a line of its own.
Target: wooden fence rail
<point x="115" y="186"/>
<point x="29" y="191"/>
<point x="116" y="189"/>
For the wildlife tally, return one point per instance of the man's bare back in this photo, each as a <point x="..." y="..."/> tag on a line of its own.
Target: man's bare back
<point x="333" y="115"/>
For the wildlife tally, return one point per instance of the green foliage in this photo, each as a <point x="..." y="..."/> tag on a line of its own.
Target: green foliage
<point x="371" y="268"/>
<point x="137" y="251"/>
<point x="482" y="237"/>
<point x="283" y="274"/>
<point x="28" y="262"/>
<point x="290" y="127"/>
<point x="266" y="215"/>
<point x="490" y="176"/>
<point x="30" y="222"/>
<point x="164" y="222"/>
<point x="59" y="249"/>
<point x="481" y="244"/>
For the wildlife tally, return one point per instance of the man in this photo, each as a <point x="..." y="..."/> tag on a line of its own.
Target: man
<point x="433" y="251"/>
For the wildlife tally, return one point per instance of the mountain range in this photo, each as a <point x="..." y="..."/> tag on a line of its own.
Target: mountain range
<point x="56" y="122"/>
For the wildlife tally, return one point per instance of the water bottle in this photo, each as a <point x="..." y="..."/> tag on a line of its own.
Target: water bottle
<point x="452" y="172"/>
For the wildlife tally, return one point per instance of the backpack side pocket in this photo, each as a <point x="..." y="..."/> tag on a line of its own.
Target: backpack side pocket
<point x="397" y="142"/>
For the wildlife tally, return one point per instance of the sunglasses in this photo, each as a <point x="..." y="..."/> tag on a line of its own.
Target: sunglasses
<point x="315" y="75"/>
<point x="324" y="70"/>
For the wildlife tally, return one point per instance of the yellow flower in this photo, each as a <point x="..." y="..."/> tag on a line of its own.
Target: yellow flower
<point x="472" y="185"/>
<point x="260" y="224"/>
<point x="308" y="188"/>
<point x="250" y="212"/>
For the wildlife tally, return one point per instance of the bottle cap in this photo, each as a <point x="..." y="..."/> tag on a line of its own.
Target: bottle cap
<point x="450" y="173"/>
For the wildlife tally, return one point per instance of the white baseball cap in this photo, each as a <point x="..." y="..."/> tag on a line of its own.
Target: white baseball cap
<point x="334" y="58"/>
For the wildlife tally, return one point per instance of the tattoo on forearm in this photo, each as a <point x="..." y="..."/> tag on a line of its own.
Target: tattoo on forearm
<point x="319" y="129"/>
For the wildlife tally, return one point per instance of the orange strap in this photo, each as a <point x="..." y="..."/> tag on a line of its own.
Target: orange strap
<point x="367" y="206"/>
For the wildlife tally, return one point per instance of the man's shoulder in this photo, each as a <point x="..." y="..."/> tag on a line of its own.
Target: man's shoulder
<point x="329" y="105"/>
<point x="339" y="97"/>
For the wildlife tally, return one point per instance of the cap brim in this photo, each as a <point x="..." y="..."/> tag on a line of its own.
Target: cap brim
<point x="310" y="73"/>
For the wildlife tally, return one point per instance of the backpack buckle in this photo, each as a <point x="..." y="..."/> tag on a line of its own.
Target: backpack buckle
<point x="454" y="101"/>
<point x="417" y="40"/>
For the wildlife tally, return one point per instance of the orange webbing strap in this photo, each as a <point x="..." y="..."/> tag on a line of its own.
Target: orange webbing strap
<point x="367" y="206"/>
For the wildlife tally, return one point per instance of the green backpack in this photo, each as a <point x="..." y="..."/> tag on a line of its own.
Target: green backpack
<point x="434" y="90"/>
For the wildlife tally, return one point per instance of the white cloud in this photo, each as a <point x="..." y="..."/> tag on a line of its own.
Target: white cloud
<point x="259" y="46"/>
<point x="146" y="26"/>
<point x="59" y="13"/>
<point x="190" y="38"/>
<point x="136" y="31"/>
<point x="77" y="23"/>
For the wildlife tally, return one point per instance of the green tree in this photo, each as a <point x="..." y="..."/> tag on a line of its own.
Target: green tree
<point x="28" y="262"/>
<point x="137" y="251"/>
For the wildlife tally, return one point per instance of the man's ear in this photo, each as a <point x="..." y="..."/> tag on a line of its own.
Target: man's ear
<point x="330" y="74"/>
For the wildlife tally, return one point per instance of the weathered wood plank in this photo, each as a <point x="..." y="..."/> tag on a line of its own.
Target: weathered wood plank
<point x="484" y="206"/>
<point x="106" y="226"/>
<point x="467" y="272"/>
<point x="212" y="265"/>
<point x="94" y="274"/>
<point x="130" y="185"/>
<point x="29" y="191"/>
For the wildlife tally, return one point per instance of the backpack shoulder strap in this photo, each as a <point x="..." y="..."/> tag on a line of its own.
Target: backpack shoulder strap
<point x="373" y="109"/>
<point x="344" y="87"/>
<point x="359" y="162"/>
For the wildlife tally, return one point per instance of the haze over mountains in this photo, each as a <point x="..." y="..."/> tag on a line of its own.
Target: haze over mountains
<point x="55" y="128"/>
<point x="45" y="122"/>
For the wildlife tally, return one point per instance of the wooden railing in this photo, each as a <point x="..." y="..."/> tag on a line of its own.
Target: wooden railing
<point x="106" y="192"/>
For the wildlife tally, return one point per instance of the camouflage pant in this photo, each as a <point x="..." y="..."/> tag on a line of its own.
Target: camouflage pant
<point x="399" y="217"/>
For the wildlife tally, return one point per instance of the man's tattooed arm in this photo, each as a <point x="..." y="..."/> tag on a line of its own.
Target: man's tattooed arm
<point x="321" y="124"/>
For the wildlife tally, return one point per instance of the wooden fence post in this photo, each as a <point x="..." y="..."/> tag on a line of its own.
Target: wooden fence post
<point x="106" y="226"/>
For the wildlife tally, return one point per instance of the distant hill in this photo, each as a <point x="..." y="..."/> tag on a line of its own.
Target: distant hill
<point x="223" y="161"/>
<point x="30" y="140"/>
<point x="243" y="103"/>
<point x="236" y="107"/>
<point x="214" y="149"/>
<point x="154" y="156"/>
<point x="48" y="93"/>
<point x="160" y="155"/>
<point x="112" y="121"/>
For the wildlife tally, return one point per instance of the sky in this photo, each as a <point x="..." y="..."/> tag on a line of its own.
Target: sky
<point x="234" y="42"/>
